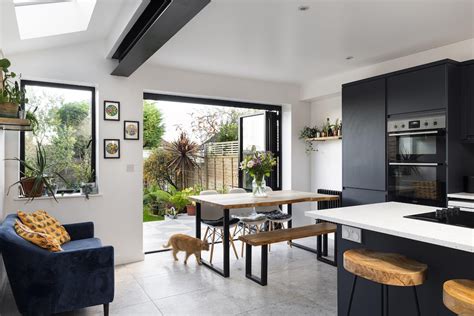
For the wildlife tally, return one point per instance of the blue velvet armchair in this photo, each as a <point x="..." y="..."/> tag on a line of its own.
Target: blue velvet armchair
<point x="45" y="283"/>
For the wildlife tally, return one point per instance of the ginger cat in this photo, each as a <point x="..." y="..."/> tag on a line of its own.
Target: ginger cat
<point x="188" y="244"/>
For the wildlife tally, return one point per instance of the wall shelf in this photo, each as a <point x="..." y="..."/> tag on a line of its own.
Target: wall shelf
<point x="323" y="139"/>
<point x="14" y="124"/>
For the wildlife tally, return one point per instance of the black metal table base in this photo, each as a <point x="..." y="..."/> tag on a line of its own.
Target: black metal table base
<point x="321" y="249"/>
<point x="225" y="271"/>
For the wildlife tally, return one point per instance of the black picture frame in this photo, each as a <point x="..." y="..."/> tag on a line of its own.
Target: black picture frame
<point x="105" y="151"/>
<point x="118" y="108"/>
<point x="125" y="136"/>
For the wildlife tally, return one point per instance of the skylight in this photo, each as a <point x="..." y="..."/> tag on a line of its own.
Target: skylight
<point x="52" y="17"/>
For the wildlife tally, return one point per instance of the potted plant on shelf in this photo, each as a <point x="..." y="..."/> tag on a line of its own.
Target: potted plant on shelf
<point x="307" y="134"/>
<point x="34" y="179"/>
<point x="11" y="94"/>
<point x="338" y="128"/>
<point x="258" y="165"/>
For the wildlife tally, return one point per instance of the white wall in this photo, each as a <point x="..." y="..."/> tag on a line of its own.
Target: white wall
<point x="326" y="161"/>
<point x="117" y="213"/>
<point x="314" y="89"/>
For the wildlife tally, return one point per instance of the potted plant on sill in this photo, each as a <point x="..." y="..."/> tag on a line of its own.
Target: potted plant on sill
<point x="34" y="179"/>
<point x="11" y="94"/>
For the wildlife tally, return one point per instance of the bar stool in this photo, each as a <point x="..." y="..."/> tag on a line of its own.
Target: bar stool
<point x="458" y="296"/>
<point x="387" y="269"/>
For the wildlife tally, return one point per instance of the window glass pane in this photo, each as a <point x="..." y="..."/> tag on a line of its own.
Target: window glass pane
<point x="64" y="131"/>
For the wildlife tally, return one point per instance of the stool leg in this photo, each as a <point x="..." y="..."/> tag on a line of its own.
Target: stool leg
<point x="352" y="295"/>
<point x="417" y="302"/>
<point x="382" y="296"/>
<point x="386" y="300"/>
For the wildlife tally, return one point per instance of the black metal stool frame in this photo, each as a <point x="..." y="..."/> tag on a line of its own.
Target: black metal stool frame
<point x="384" y="305"/>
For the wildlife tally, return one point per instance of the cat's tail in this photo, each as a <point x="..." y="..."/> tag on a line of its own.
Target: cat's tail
<point x="168" y="245"/>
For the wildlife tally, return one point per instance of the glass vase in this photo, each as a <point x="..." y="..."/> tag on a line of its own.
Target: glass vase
<point x="259" y="187"/>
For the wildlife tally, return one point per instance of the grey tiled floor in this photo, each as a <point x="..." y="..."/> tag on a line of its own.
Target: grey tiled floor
<point x="297" y="285"/>
<point x="156" y="234"/>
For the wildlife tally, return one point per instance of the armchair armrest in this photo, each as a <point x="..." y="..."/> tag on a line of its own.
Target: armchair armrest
<point x="80" y="230"/>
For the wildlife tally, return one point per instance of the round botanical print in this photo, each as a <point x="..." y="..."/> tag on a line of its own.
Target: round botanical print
<point x="111" y="148"/>
<point x="132" y="129"/>
<point x="111" y="110"/>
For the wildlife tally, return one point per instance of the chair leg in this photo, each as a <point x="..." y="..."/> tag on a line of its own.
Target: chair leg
<point x="106" y="309"/>
<point x="231" y="240"/>
<point x="212" y="245"/>
<point x="270" y="228"/>
<point x="352" y="295"/>
<point x="417" y="302"/>
<point x="243" y="234"/>
<point x="205" y="234"/>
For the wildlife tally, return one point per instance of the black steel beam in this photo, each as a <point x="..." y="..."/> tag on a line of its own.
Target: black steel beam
<point x="159" y="22"/>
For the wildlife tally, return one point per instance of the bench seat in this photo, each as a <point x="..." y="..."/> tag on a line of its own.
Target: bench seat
<point x="266" y="238"/>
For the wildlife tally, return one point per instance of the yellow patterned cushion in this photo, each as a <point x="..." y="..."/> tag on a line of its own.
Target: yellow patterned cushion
<point x="42" y="222"/>
<point x="43" y="240"/>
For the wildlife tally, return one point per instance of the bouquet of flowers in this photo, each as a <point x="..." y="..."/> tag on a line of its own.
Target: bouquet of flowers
<point x="258" y="165"/>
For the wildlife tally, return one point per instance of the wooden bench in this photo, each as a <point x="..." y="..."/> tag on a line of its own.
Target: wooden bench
<point x="266" y="238"/>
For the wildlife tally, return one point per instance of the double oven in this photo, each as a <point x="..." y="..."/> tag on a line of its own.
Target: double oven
<point x="417" y="159"/>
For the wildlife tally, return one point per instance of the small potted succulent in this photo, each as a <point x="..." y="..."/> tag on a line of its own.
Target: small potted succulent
<point x="11" y="94"/>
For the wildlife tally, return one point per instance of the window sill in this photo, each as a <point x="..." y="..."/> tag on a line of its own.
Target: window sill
<point x="60" y="197"/>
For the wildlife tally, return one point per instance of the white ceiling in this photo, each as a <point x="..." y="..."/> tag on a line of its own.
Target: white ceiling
<point x="107" y="15"/>
<point x="272" y="39"/>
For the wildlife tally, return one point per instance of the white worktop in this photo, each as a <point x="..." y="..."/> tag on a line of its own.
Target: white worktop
<point x="388" y="218"/>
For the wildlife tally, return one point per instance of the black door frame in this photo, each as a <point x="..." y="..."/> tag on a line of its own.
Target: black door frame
<point x="271" y="129"/>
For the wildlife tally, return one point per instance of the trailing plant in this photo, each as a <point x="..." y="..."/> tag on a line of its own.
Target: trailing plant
<point x="11" y="92"/>
<point x="306" y="134"/>
<point x="36" y="170"/>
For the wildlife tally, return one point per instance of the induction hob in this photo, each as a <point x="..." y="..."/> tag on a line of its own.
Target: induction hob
<point x="450" y="216"/>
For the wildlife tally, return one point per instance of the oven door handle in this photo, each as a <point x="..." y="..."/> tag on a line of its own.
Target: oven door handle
<point x="414" y="133"/>
<point x="420" y="164"/>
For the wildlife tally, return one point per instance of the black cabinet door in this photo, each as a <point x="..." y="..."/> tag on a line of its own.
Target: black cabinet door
<point x="352" y="197"/>
<point x="364" y="139"/>
<point x="419" y="90"/>
<point x="467" y="120"/>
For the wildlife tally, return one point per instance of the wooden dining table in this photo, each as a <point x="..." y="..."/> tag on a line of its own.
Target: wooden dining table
<point x="246" y="200"/>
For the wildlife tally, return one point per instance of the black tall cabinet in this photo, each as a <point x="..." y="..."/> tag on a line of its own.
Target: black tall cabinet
<point x="364" y="142"/>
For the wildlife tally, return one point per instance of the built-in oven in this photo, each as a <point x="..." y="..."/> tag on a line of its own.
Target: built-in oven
<point x="417" y="183"/>
<point x="416" y="153"/>
<point x="417" y="139"/>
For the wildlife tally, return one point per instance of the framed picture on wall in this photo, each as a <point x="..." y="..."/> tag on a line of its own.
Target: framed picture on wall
<point x="111" y="148"/>
<point x="131" y="130"/>
<point x="111" y="111"/>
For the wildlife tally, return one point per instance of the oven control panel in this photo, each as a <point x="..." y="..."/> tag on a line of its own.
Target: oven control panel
<point x="417" y="124"/>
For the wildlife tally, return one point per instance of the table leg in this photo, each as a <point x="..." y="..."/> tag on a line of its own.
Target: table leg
<point x="290" y="212"/>
<point x="198" y="220"/>
<point x="226" y="243"/>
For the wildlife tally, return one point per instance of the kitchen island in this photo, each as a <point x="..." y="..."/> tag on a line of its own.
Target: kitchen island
<point x="447" y="250"/>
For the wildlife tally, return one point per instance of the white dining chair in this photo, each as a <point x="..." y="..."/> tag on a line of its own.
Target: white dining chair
<point x="249" y="220"/>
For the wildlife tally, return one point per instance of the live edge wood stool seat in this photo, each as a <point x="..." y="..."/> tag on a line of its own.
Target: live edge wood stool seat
<point x="458" y="296"/>
<point x="267" y="238"/>
<point x="387" y="269"/>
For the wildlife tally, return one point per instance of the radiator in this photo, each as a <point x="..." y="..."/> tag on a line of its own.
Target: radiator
<point x="324" y="205"/>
